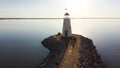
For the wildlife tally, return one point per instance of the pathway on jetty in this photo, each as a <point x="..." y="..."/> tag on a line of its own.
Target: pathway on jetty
<point x="71" y="55"/>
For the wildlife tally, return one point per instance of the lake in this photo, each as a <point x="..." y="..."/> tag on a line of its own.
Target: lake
<point x="20" y="40"/>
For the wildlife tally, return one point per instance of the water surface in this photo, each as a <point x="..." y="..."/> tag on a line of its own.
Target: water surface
<point x="20" y="40"/>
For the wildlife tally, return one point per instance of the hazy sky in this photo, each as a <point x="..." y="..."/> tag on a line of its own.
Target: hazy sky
<point x="55" y="8"/>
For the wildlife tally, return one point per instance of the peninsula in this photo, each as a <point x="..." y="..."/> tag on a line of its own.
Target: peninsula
<point x="69" y="50"/>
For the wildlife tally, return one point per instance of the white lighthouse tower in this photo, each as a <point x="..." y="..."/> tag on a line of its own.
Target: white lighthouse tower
<point x="66" y="32"/>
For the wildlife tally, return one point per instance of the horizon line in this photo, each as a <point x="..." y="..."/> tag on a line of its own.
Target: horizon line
<point x="63" y="18"/>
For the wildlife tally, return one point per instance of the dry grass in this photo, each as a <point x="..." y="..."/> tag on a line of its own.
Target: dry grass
<point x="57" y="37"/>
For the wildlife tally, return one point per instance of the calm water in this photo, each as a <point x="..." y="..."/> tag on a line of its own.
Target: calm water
<point x="20" y="40"/>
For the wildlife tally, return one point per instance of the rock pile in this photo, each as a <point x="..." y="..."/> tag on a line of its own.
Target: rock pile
<point x="89" y="58"/>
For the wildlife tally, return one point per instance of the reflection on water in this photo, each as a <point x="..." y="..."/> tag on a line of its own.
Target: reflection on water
<point x="20" y="40"/>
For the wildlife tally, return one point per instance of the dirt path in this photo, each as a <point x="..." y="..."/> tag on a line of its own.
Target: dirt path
<point x="71" y="55"/>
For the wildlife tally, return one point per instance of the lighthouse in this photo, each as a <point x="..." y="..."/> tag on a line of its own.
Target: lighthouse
<point x="66" y="32"/>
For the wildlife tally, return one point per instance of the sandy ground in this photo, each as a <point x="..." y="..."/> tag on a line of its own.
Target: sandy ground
<point x="71" y="55"/>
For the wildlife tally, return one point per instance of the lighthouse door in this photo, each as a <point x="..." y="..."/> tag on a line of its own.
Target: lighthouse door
<point x="66" y="33"/>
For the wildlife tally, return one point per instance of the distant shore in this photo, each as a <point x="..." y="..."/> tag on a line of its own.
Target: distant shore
<point x="57" y="18"/>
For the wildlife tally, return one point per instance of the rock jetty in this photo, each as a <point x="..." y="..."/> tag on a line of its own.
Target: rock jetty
<point x="74" y="52"/>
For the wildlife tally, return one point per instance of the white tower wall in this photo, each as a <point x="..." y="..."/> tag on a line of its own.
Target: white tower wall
<point x="67" y="28"/>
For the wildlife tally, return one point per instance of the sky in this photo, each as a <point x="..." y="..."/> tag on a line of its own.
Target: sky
<point x="56" y="8"/>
